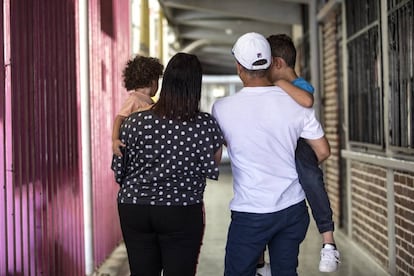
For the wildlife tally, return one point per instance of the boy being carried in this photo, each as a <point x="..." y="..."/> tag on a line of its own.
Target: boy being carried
<point x="310" y="175"/>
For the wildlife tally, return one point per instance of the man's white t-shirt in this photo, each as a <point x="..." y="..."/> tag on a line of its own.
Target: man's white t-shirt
<point x="261" y="126"/>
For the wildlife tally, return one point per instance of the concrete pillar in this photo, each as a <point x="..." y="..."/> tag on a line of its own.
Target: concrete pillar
<point x="144" y="34"/>
<point x="161" y="36"/>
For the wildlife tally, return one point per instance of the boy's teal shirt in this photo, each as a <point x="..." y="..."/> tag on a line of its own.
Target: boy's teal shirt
<point x="303" y="84"/>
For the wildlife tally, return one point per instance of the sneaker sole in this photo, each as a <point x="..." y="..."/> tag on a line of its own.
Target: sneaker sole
<point x="327" y="270"/>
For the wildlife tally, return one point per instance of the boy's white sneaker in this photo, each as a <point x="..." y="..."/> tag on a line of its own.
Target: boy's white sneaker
<point x="329" y="259"/>
<point x="264" y="271"/>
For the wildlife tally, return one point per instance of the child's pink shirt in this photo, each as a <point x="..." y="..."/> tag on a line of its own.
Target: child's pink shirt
<point x="137" y="99"/>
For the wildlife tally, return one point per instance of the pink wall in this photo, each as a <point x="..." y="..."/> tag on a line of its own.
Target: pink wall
<point x="3" y="239"/>
<point x="109" y="52"/>
<point x="41" y="209"/>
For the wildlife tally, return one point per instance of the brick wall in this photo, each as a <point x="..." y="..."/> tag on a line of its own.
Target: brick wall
<point x="367" y="214"/>
<point x="331" y="111"/>
<point x="369" y="209"/>
<point x="404" y="222"/>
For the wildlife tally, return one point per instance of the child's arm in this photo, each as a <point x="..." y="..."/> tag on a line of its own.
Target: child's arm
<point x="301" y="96"/>
<point x="116" y="143"/>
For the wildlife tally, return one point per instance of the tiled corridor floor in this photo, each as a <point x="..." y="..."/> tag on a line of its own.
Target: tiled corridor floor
<point x="354" y="262"/>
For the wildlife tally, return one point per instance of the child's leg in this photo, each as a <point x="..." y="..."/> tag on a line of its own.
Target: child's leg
<point x="328" y="237"/>
<point x="261" y="260"/>
<point x="311" y="179"/>
<point x="263" y="268"/>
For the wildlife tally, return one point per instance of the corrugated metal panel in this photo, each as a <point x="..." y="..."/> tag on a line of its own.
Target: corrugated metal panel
<point x="110" y="51"/>
<point x="43" y="199"/>
<point x="3" y="133"/>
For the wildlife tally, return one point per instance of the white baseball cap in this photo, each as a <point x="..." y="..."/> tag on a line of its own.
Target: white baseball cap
<point x="250" y="48"/>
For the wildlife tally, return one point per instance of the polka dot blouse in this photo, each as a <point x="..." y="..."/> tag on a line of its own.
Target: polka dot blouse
<point x="166" y="162"/>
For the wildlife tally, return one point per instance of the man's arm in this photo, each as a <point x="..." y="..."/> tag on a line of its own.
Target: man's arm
<point x="300" y="96"/>
<point x="320" y="147"/>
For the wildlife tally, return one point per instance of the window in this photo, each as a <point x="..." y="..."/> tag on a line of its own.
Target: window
<point x="364" y="73"/>
<point x="303" y="48"/>
<point x="401" y="51"/>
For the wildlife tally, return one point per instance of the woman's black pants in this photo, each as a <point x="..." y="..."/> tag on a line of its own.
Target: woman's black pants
<point x="162" y="238"/>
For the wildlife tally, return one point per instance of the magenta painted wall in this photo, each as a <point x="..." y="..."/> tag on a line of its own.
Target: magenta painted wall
<point x="3" y="239"/>
<point x="41" y="208"/>
<point x="110" y="48"/>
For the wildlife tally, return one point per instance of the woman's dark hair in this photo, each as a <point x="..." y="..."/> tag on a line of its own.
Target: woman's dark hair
<point x="140" y="71"/>
<point x="181" y="88"/>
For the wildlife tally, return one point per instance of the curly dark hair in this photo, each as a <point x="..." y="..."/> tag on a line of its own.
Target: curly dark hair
<point x="282" y="46"/>
<point x="140" y="71"/>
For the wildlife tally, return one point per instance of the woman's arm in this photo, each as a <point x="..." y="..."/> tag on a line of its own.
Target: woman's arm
<point x="217" y="155"/>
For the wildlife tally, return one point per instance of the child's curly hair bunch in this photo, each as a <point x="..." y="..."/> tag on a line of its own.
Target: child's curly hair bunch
<point x="140" y="71"/>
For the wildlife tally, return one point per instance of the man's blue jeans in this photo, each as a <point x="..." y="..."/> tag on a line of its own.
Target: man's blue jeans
<point x="311" y="179"/>
<point x="249" y="233"/>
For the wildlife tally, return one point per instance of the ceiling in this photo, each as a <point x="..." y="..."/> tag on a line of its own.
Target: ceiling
<point x="209" y="28"/>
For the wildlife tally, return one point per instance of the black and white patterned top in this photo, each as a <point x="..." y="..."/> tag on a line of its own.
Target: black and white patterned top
<point x="166" y="162"/>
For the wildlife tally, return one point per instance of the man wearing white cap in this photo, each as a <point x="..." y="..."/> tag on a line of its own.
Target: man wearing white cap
<point x="261" y="125"/>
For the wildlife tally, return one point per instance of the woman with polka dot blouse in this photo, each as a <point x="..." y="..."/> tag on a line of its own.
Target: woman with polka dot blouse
<point x="171" y="149"/>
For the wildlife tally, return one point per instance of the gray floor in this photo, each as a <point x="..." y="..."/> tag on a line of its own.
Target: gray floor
<point x="354" y="262"/>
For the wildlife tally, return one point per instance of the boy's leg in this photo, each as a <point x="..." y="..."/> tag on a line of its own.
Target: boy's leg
<point x="246" y="240"/>
<point x="328" y="237"/>
<point x="311" y="179"/>
<point x="261" y="260"/>
<point x="263" y="268"/>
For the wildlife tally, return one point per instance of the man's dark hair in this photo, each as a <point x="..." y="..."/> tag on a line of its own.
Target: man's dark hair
<point x="257" y="73"/>
<point x="180" y="92"/>
<point x="282" y="46"/>
<point x="140" y="71"/>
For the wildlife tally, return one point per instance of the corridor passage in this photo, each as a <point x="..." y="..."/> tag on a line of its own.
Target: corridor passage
<point x="354" y="262"/>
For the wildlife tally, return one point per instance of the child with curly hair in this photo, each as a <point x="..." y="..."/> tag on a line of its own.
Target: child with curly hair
<point x="140" y="76"/>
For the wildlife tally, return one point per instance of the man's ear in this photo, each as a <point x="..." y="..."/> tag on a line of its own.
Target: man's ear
<point x="239" y="68"/>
